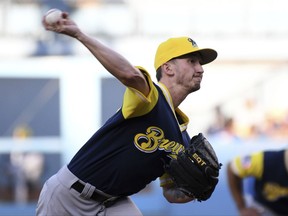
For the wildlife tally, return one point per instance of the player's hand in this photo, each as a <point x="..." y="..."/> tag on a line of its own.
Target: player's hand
<point x="64" y="26"/>
<point x="174" y="195"/>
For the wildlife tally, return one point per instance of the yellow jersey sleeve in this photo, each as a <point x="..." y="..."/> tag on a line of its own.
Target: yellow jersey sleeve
<point x="135" y="103"/>
<point x="250" y="165"/>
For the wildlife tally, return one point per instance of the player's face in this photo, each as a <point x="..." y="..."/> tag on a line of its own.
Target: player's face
<point x="189" y="72"/>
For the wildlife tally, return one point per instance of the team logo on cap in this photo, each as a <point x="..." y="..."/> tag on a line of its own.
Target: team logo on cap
<point x="192" y="42"/>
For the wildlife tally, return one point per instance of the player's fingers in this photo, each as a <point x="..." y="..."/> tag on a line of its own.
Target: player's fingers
<point x="65" y="15"/>
<point x="46" y="25"/>
<point x="54" y="28"/>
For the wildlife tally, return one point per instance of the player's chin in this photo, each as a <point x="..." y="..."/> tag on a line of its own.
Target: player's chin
<point x="195" y="87"/>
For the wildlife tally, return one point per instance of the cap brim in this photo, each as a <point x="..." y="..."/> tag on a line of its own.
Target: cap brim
<point x="207" y="55"/>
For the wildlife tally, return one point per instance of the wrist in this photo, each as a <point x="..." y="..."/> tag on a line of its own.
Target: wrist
<point x="80" y="36"/>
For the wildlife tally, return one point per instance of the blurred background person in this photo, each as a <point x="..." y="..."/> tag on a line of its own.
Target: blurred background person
<point x="269" y="191"/>
<point x="25" y="169"/>
<point x="219" y="121"/>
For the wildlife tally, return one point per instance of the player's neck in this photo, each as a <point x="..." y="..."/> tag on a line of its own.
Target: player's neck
<point x="177" y="94"/>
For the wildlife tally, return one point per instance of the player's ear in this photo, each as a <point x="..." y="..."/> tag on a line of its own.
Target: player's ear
<point x="167" y="68"/>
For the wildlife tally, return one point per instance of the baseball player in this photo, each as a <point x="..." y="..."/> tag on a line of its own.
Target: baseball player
<point x="269" y="171"/>
<point x="130" y="149"/>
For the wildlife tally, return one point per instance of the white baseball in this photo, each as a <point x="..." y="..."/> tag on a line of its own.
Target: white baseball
<point x="53" y="16"/>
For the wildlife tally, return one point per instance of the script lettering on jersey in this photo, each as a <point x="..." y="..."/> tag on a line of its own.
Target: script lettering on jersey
<point x="154" y="139"/>
<point x="273" y="191"/>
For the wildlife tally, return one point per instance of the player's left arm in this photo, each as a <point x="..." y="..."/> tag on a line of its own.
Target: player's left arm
<point x="235" y="184"/>
<point x="238" y="169"/>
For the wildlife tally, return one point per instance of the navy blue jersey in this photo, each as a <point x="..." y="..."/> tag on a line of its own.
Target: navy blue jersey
<point x="129" y="150"/>
<point x="271" y="178"/>
<point x="272" y="188"/>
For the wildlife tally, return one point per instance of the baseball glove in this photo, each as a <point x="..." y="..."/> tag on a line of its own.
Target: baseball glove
<point x="196" y="169"/>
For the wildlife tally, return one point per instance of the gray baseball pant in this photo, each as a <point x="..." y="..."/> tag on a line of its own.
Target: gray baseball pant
<point x="57" y="198"/>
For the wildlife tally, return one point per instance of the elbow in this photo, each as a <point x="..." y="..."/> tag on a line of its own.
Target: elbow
<point x="130" y="75"/>
<point x="129" y="79"/>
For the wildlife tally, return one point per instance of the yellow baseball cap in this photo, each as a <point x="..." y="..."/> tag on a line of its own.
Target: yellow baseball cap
<point x="175" y="47"/>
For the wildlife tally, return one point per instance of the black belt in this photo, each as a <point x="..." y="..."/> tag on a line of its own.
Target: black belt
<point x="78" y="186"/>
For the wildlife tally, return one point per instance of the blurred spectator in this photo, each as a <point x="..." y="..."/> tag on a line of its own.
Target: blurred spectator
<point x="27" y="168"/>
<point x="219" y="121"/>
<point x="248" y="118"/>
<point x="223" y="127"/>
<point x="269" y="172"/>
<point x="250" y="121"/>
<point x="21" y="176"/>
<point x="276" y="124"/>
<point x="229" y="130"/>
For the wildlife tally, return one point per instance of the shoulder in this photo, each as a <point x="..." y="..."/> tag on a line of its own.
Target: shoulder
<point x="135" y="103"/>
<point x="248" y="165"/>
